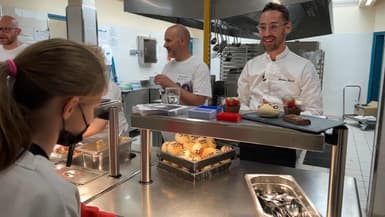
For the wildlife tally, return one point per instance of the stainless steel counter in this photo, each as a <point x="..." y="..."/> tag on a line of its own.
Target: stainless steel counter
<point x="225" y="195"/>
<point x="252" y="132"/>
<point x="128" y="169"/>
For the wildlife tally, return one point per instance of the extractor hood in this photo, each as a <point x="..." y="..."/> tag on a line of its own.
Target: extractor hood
<point x="240" y="18"/>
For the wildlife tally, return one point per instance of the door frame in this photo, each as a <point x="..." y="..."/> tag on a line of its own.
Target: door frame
<point x="376" y="66"/>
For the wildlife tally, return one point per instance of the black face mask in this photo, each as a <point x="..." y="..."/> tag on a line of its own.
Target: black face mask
<point x="67" y="138"/>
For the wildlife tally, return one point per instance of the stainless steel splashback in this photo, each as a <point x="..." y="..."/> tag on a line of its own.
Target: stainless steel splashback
<point x="309" y="17"/>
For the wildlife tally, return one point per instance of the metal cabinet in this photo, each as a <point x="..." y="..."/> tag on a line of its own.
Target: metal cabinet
<point x="134" y="97"/>
<point x="140" y="96"/>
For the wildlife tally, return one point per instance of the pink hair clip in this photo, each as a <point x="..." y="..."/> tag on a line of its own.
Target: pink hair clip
<point x="12" y="67"/>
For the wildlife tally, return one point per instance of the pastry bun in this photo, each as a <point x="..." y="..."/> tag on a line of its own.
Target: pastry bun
<point x="174" y="148"/>
<point x="211" y="142"/>
<point x="268" y="110"/>
<point x="193" y="139"/>
<point x="188" y="146"/>
<point x="226" y="148"/>
<point x="185" y="154"/>
<point x="164" y="146"/>
<point x="202" y="141"/>
<point x="194" y="157"/>
<point x="207" y="152"/>
<point x="182" y="138"/>
<point x="197" y="148"/>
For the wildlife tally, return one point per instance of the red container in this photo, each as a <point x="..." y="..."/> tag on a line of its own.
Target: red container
<point x="228" y="116"/>
<point x="231" y="109"/>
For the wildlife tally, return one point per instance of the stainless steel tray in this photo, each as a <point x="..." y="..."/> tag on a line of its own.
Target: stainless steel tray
<point x="271" y="184"/>
<point x="60" y="155"/>
<point x="90" y="146"/>
<point x="196" y="166"/>
<point x="197" y="176"/>
<point x="159" y="109"/>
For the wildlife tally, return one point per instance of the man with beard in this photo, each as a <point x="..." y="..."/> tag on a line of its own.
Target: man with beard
<point x="184" y="70"/>
<point x="276" y="74"/>
<point x="9" y="31"/>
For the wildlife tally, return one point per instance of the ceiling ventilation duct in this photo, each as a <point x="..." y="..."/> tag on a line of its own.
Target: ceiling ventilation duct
<point x="310" y="17"/>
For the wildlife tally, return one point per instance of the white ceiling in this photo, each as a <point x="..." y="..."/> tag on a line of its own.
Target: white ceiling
<point x="345" y="1"/>
<point x="361" y="3"/>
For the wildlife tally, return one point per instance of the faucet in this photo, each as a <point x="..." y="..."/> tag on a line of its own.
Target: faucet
<point x="108" y="109"/>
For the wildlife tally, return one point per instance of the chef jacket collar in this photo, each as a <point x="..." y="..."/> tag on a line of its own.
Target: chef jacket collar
<point x="279" y="56"/>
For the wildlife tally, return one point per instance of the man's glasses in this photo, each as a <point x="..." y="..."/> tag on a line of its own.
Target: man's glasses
<point x="6" y="29"/>
<point x="273" y="27"/>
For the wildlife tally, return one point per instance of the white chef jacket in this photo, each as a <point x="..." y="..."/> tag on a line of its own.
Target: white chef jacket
<point x="31" y="188"/>
<point x="288" y="75"/>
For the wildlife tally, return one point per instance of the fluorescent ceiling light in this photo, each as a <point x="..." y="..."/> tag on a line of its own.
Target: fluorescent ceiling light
<point x="369" y="2"/>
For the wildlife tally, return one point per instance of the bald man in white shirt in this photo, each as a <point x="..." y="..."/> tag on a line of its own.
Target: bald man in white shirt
<point x="276" y="74"/>
<point x="186" y="72"/>
<point x="9" y="32"/>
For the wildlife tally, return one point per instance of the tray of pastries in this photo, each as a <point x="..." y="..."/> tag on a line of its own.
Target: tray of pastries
<point x="196" y="154"/>
<point x="204" y="173"/>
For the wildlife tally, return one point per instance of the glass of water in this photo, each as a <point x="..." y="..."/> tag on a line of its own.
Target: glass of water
<point x="172" y="95"/>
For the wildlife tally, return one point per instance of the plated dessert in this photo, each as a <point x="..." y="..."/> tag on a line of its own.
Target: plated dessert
<point x="296" y="119"/>
<point x="231" y="104"/>
<point x="268" y="110"/>
<point x="292" y="110"/>
<point x="292" y="105"/>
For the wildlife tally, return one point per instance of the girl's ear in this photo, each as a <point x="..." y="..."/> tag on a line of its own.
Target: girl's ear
<point x="69" y="106"/>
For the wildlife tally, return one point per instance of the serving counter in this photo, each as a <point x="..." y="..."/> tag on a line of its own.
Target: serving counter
<point x="224" y="195"/>
<point x="252" y="132"/>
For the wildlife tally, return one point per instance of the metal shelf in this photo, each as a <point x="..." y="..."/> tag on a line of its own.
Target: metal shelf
<point x="245" y="131"/>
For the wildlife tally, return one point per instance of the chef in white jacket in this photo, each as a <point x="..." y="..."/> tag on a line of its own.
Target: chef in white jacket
<point x="276" y="74"/>
<point x="272" y="80"/>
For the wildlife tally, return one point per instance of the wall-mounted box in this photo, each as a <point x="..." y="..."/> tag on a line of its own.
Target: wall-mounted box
<point x="146" y="50"/>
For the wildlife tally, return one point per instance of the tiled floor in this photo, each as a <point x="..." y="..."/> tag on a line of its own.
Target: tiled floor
<point x="358" y="160"/>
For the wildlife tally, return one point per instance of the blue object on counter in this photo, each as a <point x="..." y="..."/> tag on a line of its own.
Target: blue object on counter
<point x="202" y="113"/>
<point x="216" y="108"/>
<point x="135" y="85"/>
<point x="125" y="86"/>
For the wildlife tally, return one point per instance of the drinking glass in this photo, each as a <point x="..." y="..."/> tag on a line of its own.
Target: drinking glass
<point x="172" y="95"/>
